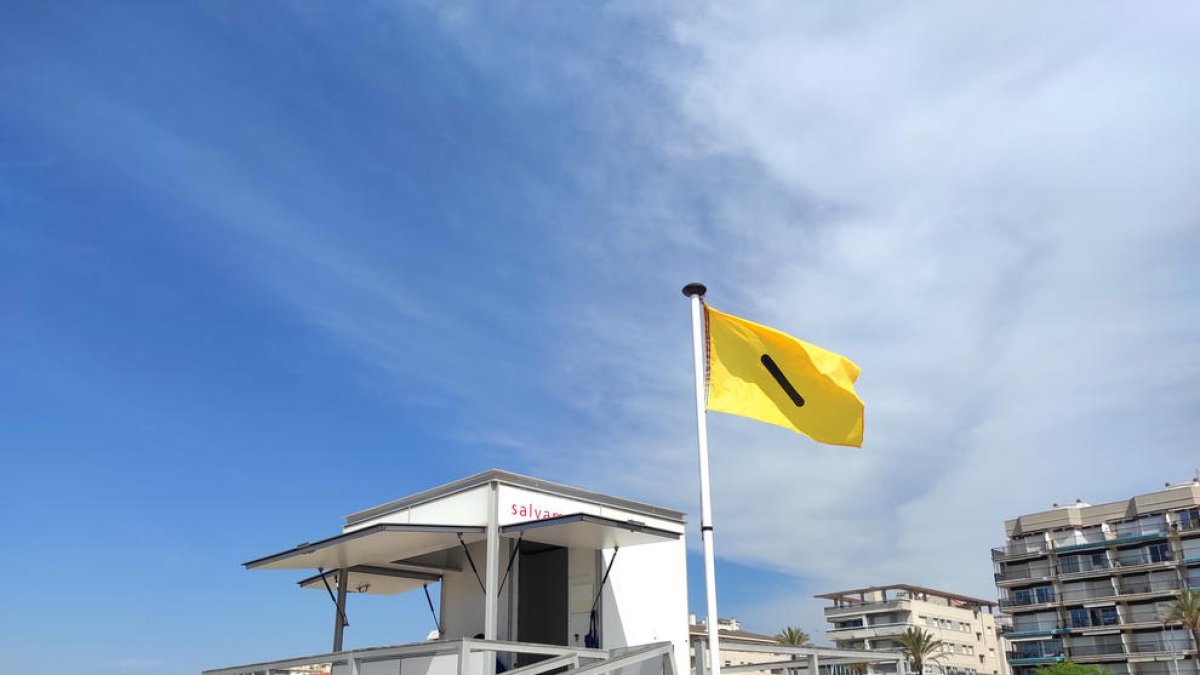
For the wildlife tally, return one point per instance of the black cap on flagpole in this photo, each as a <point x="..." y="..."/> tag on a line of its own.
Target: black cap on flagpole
<point x="695" y="288"/>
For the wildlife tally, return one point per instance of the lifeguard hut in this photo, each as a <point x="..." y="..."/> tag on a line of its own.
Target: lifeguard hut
<point x="535" y="577"/>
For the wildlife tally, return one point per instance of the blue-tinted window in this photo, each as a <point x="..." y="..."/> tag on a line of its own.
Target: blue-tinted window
<point x="1080" y="618"/>
<point x="1159" y="552"/>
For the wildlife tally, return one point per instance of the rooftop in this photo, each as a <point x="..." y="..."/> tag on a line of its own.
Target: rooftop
<point x="911" y="590"/>
<point x="517" y="480"/>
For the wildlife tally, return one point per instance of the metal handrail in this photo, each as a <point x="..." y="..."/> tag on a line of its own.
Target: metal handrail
<point x="461" y="648"/>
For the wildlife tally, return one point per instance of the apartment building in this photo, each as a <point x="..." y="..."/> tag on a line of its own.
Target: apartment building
<point x="874" y="618"/>
<point x="1092" y="584"/>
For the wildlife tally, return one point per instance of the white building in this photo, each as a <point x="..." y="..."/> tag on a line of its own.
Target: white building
<point x="873" y="619"/>
<point x="534" y="577"/>
<point x="519" y="560"/>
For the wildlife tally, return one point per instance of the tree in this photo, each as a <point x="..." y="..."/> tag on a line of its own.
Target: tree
<point x="793" y="637"/>
<point x="919" y="646"/>
<point x="1068" y="668"/>
<point x="1186" y="610"/>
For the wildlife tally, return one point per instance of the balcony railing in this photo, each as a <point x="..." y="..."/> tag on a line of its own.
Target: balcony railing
<point x="1159" y="668"/>
<point x="869" y="606"/>
<point x="1185" y="525"/>
<point x="1037" y="650"/>
<point x="1135" y="529"/>
<point x="1124" y="588"/>
<point x="1097" y="650"/>
<point x="1144" y="559"/>
<point x="1012" y="575"/>
<point x="1026" y="600"/>
<point x="1038" y="546"/>
<point x="1035" y="627"/>
<point x="1020" y="548"/>
<point x="1141" y="587"/>
<point x="1066" y="566"/>
<point x="1053" y="629"/>
<point x="1156" y="647"/>
<point x="1080" y="594"/>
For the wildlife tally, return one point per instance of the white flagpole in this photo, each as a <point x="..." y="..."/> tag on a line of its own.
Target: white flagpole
<point x="696" y="293"/>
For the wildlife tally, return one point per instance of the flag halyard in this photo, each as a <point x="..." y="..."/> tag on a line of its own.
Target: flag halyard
<point x="759" y="372"/>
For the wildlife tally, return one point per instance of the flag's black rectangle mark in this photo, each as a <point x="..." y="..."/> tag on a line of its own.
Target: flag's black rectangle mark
<point x="769" y="364"/>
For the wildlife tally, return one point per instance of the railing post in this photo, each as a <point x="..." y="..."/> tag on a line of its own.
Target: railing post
<point x="463" y="653"/>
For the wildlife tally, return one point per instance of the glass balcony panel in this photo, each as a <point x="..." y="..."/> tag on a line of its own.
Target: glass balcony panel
<point x="1097" y="649"/>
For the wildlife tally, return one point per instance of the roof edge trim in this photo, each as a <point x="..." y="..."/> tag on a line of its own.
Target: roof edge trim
<point x="516" y="480"/>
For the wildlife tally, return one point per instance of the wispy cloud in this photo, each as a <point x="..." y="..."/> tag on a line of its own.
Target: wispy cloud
<point x="992" y="210"/>
<point x="993" y="215"/>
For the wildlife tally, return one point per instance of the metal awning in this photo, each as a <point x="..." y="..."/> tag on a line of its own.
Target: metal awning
<point x="373" y="580"/>
<point x="377" y="545"/>
<point x="581" y="530"/>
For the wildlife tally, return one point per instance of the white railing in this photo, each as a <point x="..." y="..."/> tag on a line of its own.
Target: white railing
<point x="462" y="657"/>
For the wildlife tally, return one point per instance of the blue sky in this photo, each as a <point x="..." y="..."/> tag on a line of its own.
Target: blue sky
<point x="263" y="265"/>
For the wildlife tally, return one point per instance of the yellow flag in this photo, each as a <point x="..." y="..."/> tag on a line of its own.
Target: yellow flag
<point x="759" y="372"/>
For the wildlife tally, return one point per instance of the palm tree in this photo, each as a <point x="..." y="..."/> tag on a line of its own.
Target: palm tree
<point x="793" y="637"/>
<point x="919" y="646"/>
<point x="1186" y="610"/>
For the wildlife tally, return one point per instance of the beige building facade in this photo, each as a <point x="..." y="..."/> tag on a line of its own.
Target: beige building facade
<point x="1092" y="584"/>
<point x="873" y="619"/>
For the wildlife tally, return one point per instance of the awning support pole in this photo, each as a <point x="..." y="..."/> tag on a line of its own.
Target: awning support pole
<point x="436" y="621"/>
<point x="339" y="617"/>
<point x="471" y="561"/>
<point x="491" y="594"/>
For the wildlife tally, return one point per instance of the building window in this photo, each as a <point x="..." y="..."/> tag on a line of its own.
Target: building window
<point x="1188" y="519"/>
<point x="1159" y="552"/>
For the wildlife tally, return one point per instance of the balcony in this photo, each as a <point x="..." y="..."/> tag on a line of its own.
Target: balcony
<point x="1097" y="650"/>
<point x="1124" y="562"/>
<point x="866" y="632"/>
<point x="1158" y="647"/>
<point x="1023" y="575"/>
<point x="1033" y="660"/>
<point x="1028" y="599"/>
<point x="1136" y="537"/>
<point x="1020" y="548"/>
<point x="1160" y="668"/>
<point x="1123" y="535"/>
<point x="1148" y="587"/>
<point x="863" y="607"/>
<point x="1047" y="651"/>
<point x="1185" y="526"/>
<point x="1123" y="589"/>
<point x="1075" y="595"/>
<point x="1086" y="573"/>
<point x="1041" y="630"/>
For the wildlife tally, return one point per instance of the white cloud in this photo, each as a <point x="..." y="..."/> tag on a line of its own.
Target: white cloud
<point x="990" y="209"/>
